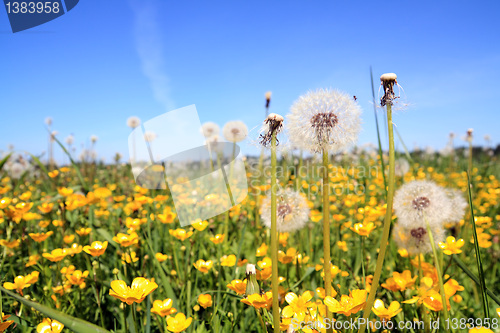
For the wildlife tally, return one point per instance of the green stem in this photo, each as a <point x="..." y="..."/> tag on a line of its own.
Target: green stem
<point x="326" y="231"/>
<point x="440" y="276"/>
<point x="387" y="224"/>
<point x="274" y="239"/>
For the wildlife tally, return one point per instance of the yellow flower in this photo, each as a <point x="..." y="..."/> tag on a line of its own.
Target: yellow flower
<point x="383" y="313"/>
<point x="219" y="238"/>
<point x="239" y="286"/>
<point x="180" y="234"/>
<point x="22" y="282"/>
<point x="480" y="330"/>
<point x="139" y="289"/>
<point x="163" y="308"/>
<point x="64" y="191"/>
<point x="298" y="305"/>
<point x="129" y="258"/>
<point x="68" y="239"/>
<point x="286" y="258"/>
<point x="205" y="300"/>
<point x="83" y="232"/>
<point x="498" y="312"/>
<point x="228" y="261"/>
<point x="32" y="260"/>
<point x="102" y="193"/>
<point x="49" y="326"/>
<point x="5" y="202"/>
<point x="41" y="236"/>
<point x="56" y="255"/>
<point x="399" y="281"/>
<point x="4" y="323"/>
<point x="96" y="249"/>
<point x="46" y="207"/>
<point x="77" y="278"/>
<point x="259" y="301"/>
<point x="451" y="246"/>
<point x="74" y="249"/>
<point x="348" y="304"/>
<point x="342" y="245"/>
<point x="200" y="225"/>
<point x="203" y="266"/>
<point x="126" y="240"/>
<point x="363" y="229"/>
<point x="161" y="257"/>
<point x="11" y="245"/>
<point x="178" y="323"/>
<point x="53" y="174"/>
<point x="262" y="250"/>
<point x="167" y="218"/>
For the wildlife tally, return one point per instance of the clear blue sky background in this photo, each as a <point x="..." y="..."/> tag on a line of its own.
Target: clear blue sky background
<point x="107" y="60"/>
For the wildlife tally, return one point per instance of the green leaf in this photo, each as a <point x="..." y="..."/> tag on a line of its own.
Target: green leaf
<point x="75" y="324"/>
<point x="4" y="160"/>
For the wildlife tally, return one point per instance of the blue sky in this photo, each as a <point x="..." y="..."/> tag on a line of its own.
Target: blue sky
<point x="107" y="60"/>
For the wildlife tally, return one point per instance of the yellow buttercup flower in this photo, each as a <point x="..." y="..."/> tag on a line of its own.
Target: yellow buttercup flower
<point x="399" y="281"/>
<point x="64" y="191"/>
<point x="5" y="202"/>
<point x="200" y="225"/>
<point x="286" y="258"/>
<point x="180" y="234"/>
<point x="4" y="323"/>
<point x="68" y="239"/>
<point x="46" y="207"/>
<point x="238" y="286"/>
<point x="451" y="246"/>
<point x="228" y="261"/>
<point x="167" y="218"/>
<point x="32" y="260"/>
<point x="96" y="249"/>
<point x="163" y="308"/>
<point x="217" y="239"/>
<point x="11" y="245"/>
<point x="126" y="240"/>
<point x="129" y="258"/>
<point x="139" y="289"/>
<point x="383" y="313"/>
<point x="205" y="300"/>
<point x="22" y="282"/>
<point x="40" y="237"/>
<point x="161" y="257"/>
<point x="178" y="323"/>
<point x="298" y="305"/>
<point x="77" y="278"/>
<point x="262" y="250"/>
<point x="49" y="326"/>
<point x="53" y="174"/>
<point x="83" y="232"/>
<point x="259" y="301"/>
<point x="363" y="229"/>
<point x="349" y="304"/>
<point x="203" y="266"/>
<point x="56" y="255"/>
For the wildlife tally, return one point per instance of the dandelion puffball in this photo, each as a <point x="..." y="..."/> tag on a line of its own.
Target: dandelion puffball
<point x="292" y="210"/>
<point x="416" y="239"/>
<point x="210" y="129"/>
<point x="93" y="138"/>
<point x="149" y="136"/>
<point x="324" y="120"/>
<point x="235" y="131"/>
<point x="419" y="201"/>
<point x="133" y="122"/>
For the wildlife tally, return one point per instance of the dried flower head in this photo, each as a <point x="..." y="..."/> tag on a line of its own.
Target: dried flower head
<point x="291" y="209"/>
<point x="209" y="129"/>
<point x="133" y="122"/>
<point x="235" y="131"/>
<point x="421" y="200"/>
<point x="415" y="239"/>
<point x="272" y="124"/>
<point x="324" y="120"/>
<point x="388" y="81"/>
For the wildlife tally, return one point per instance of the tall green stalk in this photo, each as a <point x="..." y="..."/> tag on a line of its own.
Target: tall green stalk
<point x="387" y="223"/>
<point x="326" y="231"/>
<point x="274" y="238"/>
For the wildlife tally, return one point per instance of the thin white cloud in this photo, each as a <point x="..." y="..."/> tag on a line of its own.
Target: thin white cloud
<point x="150" y="49"/>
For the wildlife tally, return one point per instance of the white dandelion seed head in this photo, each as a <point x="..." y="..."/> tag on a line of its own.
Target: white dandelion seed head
<point x="458" y="205"/>
<point x="401" y="167"/>
<point x="133" y="122"/>
<point x="94" y="138"/>
<point x="415" y="239"/>
<point x="215" y="144"/>
<point x="292" y="211"/>
<point x="235" y="131"/>
<point x="209" y="129"/>
<point x="447" y="150"/>
<point x="16" y="170"/>
<point x="421" y="200"/>
<point x="324" y="119"/>
<point x="250" y="269"/>
<point x="70" y="139"/>
<point x="149" y="136"/>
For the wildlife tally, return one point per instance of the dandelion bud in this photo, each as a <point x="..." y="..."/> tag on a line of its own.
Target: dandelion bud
<point x="252" y="284"/>
<point x="116" y="271"/>
<point x="388" y="80"/>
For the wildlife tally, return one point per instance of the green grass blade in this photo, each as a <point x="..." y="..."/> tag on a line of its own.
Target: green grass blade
<point x="478" y="254"/>
<point x="4" y="160"/>
<point x="75" y="324"/>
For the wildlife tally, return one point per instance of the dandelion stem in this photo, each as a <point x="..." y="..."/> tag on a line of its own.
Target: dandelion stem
<point x="387" y="223"/>
<point x="274" y="238"/>
<point x="326" y="230"/>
